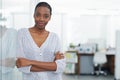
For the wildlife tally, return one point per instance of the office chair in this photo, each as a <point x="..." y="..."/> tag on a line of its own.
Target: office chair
<point x="99" y="59"/>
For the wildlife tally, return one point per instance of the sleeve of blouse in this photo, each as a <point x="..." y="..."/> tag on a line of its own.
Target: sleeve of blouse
<point x="20" y="53"/>
<point x="61" y="63"/>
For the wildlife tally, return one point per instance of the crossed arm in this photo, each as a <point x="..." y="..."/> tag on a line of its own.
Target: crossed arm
<point x="37" y="66"/>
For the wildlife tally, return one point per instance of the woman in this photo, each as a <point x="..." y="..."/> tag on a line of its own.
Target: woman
<point x="39" y="56"/>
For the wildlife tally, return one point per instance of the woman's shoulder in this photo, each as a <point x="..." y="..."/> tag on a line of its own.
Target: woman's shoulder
<point x="53" y="34"/>
<point x="22" y="32"/>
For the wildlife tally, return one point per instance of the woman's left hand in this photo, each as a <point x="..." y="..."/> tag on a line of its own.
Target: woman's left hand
<point x="59" y="55"/>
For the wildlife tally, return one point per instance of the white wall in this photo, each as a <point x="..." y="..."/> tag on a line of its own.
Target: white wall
<point x="21" y="20"/>
<point x="83" y="27"/>
<point x="99" y="16"/>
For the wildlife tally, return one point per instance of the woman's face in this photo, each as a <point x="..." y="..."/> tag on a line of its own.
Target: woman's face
<point x="42" y="17"/>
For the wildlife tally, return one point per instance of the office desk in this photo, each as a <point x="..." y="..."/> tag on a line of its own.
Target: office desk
<point x="111" y="60"/>
<point x="109" y="65"/>
<point x="84" y="55"/>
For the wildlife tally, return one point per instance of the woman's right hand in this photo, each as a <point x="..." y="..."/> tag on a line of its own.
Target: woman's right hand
<point x="22" y="62"/>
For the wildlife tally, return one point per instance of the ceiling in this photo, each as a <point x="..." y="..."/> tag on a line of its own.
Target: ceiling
<point x="66" y="5"/>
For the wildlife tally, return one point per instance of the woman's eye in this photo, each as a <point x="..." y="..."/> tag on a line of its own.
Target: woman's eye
<point x="36" y="15"/>
<point x="46" y="16"/>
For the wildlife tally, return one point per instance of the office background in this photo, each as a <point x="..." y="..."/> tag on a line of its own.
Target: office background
<point x="75" y="21"/>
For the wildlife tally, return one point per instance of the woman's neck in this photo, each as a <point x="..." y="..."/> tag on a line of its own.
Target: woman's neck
<point x="37" y="30"/>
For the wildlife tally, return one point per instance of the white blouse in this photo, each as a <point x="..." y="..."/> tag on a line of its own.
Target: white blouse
<point x="27" y="48"/>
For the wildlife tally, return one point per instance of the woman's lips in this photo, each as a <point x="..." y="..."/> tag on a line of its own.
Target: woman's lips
<point x="41" y="24"/>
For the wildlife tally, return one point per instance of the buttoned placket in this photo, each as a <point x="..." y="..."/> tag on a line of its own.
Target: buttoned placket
<point x="40" y="53"/>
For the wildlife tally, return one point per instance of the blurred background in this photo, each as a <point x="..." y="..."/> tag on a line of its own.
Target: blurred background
<point x="78" y="23"/>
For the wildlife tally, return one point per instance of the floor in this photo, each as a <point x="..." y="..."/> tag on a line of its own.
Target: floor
<point x="87" y="77"/>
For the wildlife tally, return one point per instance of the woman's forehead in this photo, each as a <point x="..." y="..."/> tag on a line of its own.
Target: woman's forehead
<point x="42" y="9"/>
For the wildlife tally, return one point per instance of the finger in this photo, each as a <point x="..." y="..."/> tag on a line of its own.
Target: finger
<point x="62" y="56"/>
<point x="58" y="52"/>
<point x="17" y="65"/>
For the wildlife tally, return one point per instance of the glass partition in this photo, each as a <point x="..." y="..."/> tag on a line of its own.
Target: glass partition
<point x="7" y="45"/>
<point x="8" y="39"/>
<point x="0" y="41"/>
